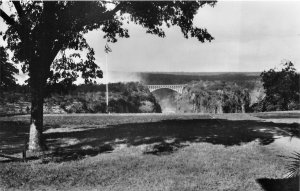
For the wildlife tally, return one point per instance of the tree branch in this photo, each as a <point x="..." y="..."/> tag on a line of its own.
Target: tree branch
<point x="106" y="15"/>
<point x="7" y="18"/>
<point x="19" y="28"/>
<point x="114" y="11"/>
<point x="56" y="48"/>
<point x="18" y="7"/>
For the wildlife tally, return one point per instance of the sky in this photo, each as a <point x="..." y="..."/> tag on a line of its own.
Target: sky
<point x="250" y="36"/>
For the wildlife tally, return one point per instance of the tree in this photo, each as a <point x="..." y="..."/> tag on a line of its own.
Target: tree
<point x="281" y="88"/>
<point x="38" y="31"/>
<point x="7" y="71"/>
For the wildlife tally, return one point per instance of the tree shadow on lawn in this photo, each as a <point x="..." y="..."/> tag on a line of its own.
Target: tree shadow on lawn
<point x="167" y="135"/>
<point x="13" y="136"/>
<point x="286" y="184"/>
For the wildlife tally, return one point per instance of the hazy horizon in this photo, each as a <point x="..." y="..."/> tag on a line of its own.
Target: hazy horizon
<point x="126" y="76"/>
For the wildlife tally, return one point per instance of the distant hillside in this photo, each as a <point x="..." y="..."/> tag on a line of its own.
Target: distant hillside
<point x="246" y="80"/>
<point x="129" y="97"/>
<point x="206" y="73"/>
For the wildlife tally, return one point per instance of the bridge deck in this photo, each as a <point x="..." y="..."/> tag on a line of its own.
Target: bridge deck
<point x="176" y="87"/>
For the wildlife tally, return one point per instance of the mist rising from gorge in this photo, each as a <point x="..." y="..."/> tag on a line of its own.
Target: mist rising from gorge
<point x="166" y="99"/>
<point x="118" y="76"/>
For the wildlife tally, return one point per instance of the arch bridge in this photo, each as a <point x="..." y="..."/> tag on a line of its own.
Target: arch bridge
<point x="176" y="87"/>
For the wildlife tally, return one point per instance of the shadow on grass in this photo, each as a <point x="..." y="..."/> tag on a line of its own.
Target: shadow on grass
<point x="286" y="184"/>
<point x="63" y="155"/>
<point x="13" y="136"/>
<point x="164" y="148"/>
<point x="168" y="135"/>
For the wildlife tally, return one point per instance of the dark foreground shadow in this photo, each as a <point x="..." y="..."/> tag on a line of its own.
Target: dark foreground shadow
<point x="171" y="135"/>
<point x="286" y="184"/>
<point x="167" y="135"/>
<point x="63" y="155"/>
<point x="13" y="136"/>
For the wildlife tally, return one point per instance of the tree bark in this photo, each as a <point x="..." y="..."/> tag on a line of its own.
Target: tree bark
<point x="36" y="141"/>
<point x="39" y="68"/>
<point x="37" y="83"/>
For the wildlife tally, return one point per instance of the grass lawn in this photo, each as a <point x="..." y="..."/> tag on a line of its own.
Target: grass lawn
<point x="149" y="152"/>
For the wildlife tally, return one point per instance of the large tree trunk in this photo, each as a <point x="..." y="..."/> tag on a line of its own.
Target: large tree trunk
<point x="42" y="54"/>
<point x="36" y="141"/>
<point x="37" y="83"/>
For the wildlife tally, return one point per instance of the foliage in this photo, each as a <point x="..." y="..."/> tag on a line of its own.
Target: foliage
<point x="131" y="97"/>
<point x="7" y="71"/>
<point x="281" y="88"/>
<point x="124" y="97"/>
<point x="40" y="27"/>
<point x="217" y="97"/>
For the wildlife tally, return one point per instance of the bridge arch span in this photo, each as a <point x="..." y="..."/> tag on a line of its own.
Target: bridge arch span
<point x="176" y="87"/>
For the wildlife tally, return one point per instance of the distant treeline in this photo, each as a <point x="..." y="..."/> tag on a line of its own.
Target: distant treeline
<point x="204" y="93"/>
<point x="74" y="89"/>
<point x="244" y="80"/>
<point x="214" y="97"/>
<point x="132" y="97"/>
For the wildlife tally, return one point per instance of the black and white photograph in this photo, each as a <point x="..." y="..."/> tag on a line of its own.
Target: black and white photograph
<point x="150" y="95"/>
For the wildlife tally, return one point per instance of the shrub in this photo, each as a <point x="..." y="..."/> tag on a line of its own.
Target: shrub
<point x="282" y="88"/>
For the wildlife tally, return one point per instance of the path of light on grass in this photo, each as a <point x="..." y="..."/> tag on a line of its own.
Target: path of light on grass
<point x="199" y="166"/>
<point x="290" y="144"/>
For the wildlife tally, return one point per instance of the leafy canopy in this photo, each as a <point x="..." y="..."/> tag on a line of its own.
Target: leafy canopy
<point x="38" y="31"/>
<point x="7" y="71"/>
